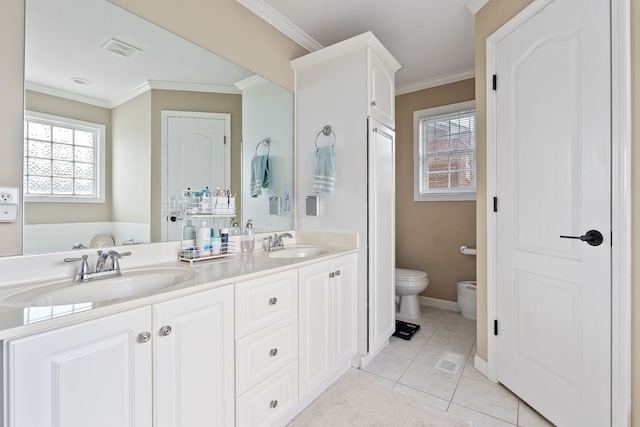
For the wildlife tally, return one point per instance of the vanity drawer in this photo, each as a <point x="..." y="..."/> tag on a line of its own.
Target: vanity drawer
<point x="263" y="302"/>
<point x="270" y="400"/>
<point x="261" y="354"/>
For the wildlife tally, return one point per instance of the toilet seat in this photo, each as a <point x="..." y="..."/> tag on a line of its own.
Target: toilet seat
<point x="406" y="275"/>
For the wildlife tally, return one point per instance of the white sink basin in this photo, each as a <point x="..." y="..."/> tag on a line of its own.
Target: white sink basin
<point x="131" y="283"/>
<point x="298" y="252"/>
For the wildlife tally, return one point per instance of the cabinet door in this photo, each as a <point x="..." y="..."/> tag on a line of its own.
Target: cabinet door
<point x="194" y="360"/>
<point x="381" y="236"/>
<point x="97" y="373"/>
<point x="345" y="309"/>
<point x="382" y="101"/>
<point x="316" y="323"/>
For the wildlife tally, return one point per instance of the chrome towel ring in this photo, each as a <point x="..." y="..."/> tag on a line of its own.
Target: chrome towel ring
<point x="267" y="143"/>
<point x="326" y="131"/>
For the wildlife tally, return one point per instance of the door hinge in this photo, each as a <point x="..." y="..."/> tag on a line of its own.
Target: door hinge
<point x="495" y="327"/>
<point x="225" y="140"/>
<point x="495" y="204"/>
<point x="495" y="82"/>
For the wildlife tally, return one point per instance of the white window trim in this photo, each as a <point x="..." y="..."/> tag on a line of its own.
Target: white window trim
<point x="445" y="195"/>
<point x="100" y="164"/>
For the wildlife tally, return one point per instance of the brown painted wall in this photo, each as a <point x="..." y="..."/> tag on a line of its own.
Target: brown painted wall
<point x="429" y="234"/>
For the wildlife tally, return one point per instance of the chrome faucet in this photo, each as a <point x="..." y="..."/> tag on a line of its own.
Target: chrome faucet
<point x="274" y="243"/>
<point x="102" y="270"/>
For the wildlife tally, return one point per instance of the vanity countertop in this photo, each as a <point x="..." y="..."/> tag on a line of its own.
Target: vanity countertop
<point x="18" y="321"/>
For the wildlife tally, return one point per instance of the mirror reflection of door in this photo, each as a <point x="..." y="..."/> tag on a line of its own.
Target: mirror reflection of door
<point x="196" y="153"/>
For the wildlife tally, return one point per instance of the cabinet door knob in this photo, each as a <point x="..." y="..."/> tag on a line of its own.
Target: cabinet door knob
<point x="273" y="403"/>
<point x="332" y="275"/>
<point x="144" y="337"/>
<point x="273" y="352"/>
<point x="273" y="301"/>
<point x="337" y="272"/>
<point x="165" y="330"/>
<point x="373" y="103"/>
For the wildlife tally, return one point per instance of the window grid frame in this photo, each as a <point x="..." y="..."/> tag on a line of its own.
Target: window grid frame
<point x="422" y="119"/>
<point x="98" y="159"/>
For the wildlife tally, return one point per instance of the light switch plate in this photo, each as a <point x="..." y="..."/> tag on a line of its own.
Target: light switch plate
<point x="8" y="213"/>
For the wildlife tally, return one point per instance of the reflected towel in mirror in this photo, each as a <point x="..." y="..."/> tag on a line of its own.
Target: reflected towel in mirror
<point x="259" y="175"/>
<point x="324" y="174"/>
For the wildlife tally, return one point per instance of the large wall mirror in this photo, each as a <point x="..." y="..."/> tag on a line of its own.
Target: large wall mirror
<point x="88" y="63"/>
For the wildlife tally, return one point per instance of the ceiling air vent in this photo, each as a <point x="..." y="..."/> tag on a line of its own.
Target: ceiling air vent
<point x="120" y="48"/>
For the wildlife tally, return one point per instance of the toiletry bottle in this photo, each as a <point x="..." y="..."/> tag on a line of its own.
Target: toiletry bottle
<point x="189" y="231"/>
<point x="216" y="244"/>
<point x="234" y="230"/>
<point x="249" y="238"/>
<point x="224" y="234"/>
<point x="203" y="240"/>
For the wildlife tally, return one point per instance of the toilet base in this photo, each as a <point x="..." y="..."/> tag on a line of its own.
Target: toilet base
<point x="409" y="307"/>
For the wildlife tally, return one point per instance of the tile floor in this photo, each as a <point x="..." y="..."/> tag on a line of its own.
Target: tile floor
<point x="409" y="368"/>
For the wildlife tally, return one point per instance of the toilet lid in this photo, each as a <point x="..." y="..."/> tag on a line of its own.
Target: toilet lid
<point x="410" y="275"/>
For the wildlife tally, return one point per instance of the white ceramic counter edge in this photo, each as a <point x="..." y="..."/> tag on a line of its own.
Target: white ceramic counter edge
<point x="212" y="274"/>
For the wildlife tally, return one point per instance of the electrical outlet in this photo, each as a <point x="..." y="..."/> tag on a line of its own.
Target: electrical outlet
<point x="9" y="195"/>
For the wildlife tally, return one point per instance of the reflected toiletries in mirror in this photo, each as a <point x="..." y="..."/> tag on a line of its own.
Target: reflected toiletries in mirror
<point x="114" y="115"/>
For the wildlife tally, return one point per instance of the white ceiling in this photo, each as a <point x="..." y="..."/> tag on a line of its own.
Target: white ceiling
<point x="64" y="39"/>
<point x="432" y="39"/>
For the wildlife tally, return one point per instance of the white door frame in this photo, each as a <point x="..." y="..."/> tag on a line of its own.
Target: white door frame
<point x="620" y="202"/>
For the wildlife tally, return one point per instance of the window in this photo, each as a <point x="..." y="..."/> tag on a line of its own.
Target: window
<point x="445" y="152"/>
<point x="63" y="159"/>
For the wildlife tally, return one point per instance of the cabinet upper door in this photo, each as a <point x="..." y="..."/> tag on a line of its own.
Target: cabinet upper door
<point x="193" y="343"/>
<point x="96" y="373"/>
<point x="381" y="96"/>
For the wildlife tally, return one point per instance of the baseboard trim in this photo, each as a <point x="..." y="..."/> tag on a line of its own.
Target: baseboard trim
<point x="440" y="303"/>
<point x="481" y="366"/>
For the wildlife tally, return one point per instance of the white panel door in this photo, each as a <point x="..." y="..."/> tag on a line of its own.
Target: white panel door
<point x="381" y="235"/>
<point x="345" y="307"/>
<point x="553" y="180"/>
<point x="194" y="360"/>
<point x="96" y="373"/>
<point x="316" y="325"/>
<point x="196" y="154"/>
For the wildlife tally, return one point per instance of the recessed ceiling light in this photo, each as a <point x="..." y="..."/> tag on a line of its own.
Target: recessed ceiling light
<point x="81" y="81"/>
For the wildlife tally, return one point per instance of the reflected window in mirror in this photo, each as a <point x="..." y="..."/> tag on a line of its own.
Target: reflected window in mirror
<point x="63" y="159"/>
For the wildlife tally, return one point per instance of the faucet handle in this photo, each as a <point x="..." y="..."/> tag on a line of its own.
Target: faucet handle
<point x="115" y="256"/>
<point x="84" y="267"/>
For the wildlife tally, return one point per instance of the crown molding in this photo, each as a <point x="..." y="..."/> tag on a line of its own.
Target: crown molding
<point x="35" y="87"/>
<point x="282" y="24"/>
<point x="438" y="81"/>
<point x="475" y="5"/>
<point x="144" y="87"/>
<point x="249" y="81"/>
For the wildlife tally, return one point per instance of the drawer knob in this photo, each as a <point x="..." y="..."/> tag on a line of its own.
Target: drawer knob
<point x="144" y="337"/>
<point x="273" y="352"/>
<point x="332" y="274"/>
<point x="337" y="272"/>
<point x="273" y="403"/>
<point x="165" y="330"/>
<point x="273" y="301"/>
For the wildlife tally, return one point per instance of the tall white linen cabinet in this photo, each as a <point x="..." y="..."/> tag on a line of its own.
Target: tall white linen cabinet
<point x="350" y="87"/>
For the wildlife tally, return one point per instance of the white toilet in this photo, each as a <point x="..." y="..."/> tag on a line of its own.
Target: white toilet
<point x="409" y="283"/>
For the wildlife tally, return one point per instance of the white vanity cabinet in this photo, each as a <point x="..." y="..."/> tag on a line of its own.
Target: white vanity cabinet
<point x="350" y="86"/>
<point x="167" y="364"/>
<point x="327" y="320"/>
<point x="96" y="373"/>
<point x="266" y="348"/>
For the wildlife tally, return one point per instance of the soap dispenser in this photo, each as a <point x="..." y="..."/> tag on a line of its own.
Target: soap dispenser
<point x="234" y="230"/>
<point x="249" y="239"/>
